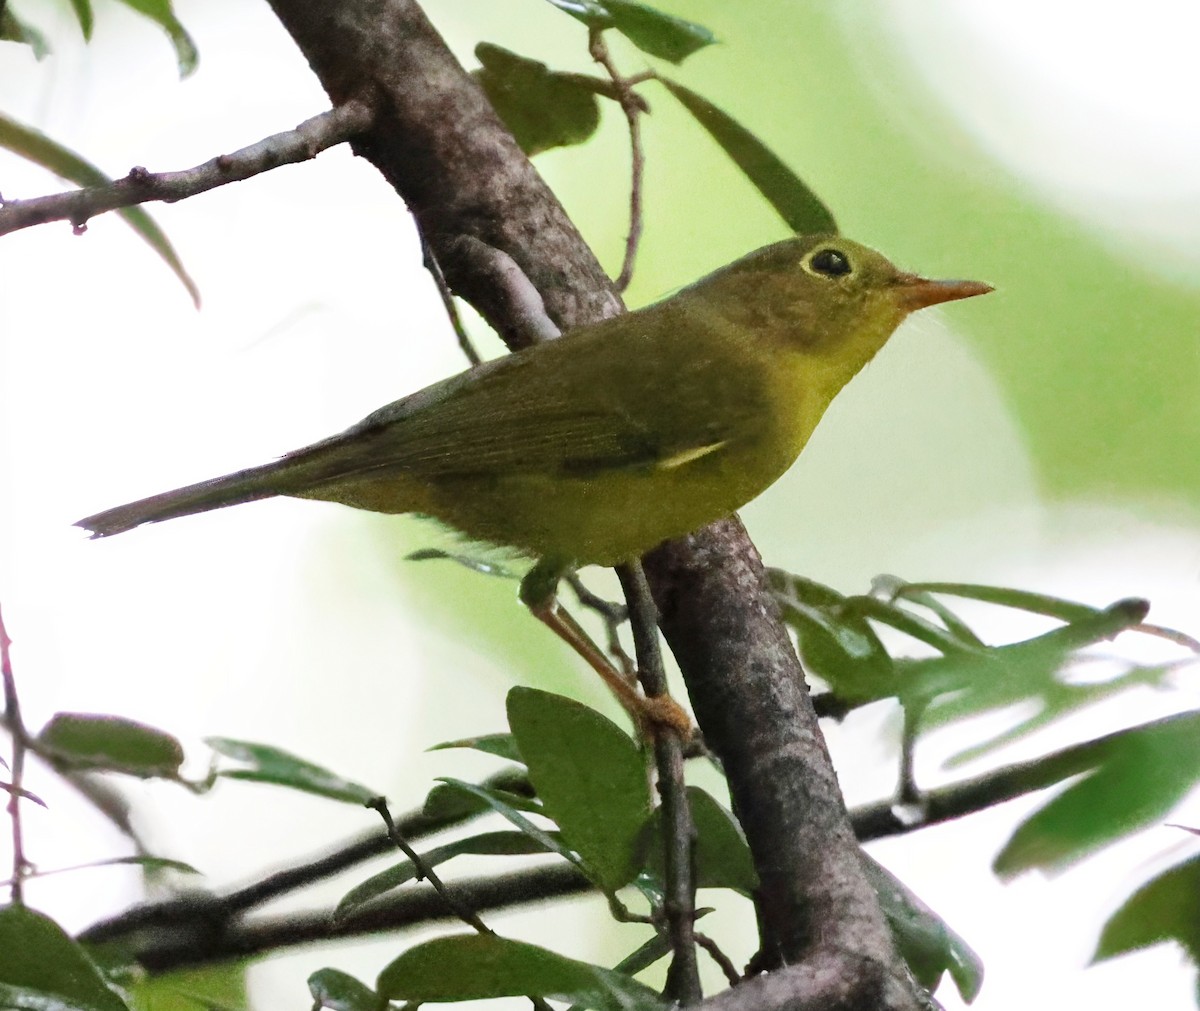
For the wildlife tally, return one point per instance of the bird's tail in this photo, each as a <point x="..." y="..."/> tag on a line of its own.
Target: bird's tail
<point x="232" y="489"/>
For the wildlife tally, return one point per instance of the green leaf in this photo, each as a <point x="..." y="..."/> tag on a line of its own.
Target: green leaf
<point x="273" y="765"/>
<point x="1142" y="774"/>
<point x="449" y="801"/>
<point x="42" y="969"/>
<point x="111" y="744"/>
<point x="35" y="146"/>
<point x="799" y="206"/>
<point x="484" y="844"/>
<point x="220" y="987"/>
<point x="1004" y="596"/>
<point x="721" y="855"/>
<point x="13" y="29"/>
<point x="85" y="17"/>
<point x="150" y="863"/>
<point x="590" y="777"/>
<point x="550" y="842"/>
<point x="542" y="109"/>
<point x="500" y="745"/>
<point x="162" y="13"/>
<point x="1165" y="908"/>
<point x="478" y="967"/>
<point x="652" y="31"/>
<point x="837" y="644"/>
<point x="925" y="940"/>
<point x="339" y="991"/>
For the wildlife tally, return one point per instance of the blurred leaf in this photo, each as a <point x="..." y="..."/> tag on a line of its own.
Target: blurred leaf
<point x="543" y="109"/>
<point x="1165" y="908"/>
<point x="13" y="29"/>
<point x="212" y="987"/>
<point x="837" y="645"/>
<point x="162" y="13"/>
<point x="85" y="17"/>
<point x="42" y="969"/>
<point x="273" y="765"/>
<point x="590" y="777"/>
<point x="801" y="209"/>
<point x="721" y="855"/>
<point x="1004" y="596"/>
<point x="925" y="940"/>
<point x="111" y="744"/>
<point x="477" y="967"/>
<point x="150" y="863"/>
<point x="500" y="745"/>
<point x="652" y="31"/>
<point x="502" y="806"/>
<point x="20" y="791"/>
<point x="1141" y="773"/>
<point x="339" y="991"/>
<point x="472" y="562"/>
<point x="642" y="957"/>
<point x="484" y="844"/>
<point x="509" y="785"/>
<point x="35" y="146"/>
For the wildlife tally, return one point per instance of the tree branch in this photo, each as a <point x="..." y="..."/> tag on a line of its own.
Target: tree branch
<point x="308" y="140"/>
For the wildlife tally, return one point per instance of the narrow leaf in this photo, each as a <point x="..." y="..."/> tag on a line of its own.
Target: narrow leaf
<point x="162" y="14"/>
<point x="652" y="31"/>
<point x="800" y="208"/>
<point x="550" y="842"/>
<point x="339" y="991"/>
<point x="42" y="969"/>
<point x="150" y="863"/>
<point x="590" y="777"/>
<point x="1142" y="774"/>
<point x="273" y="765"/>
<point x="500" y="745"/>
<point x="478" y="967"/>
<point x="111" y="744"/>
<point x="1165" y="908"/>
<point x="13" y="29"/>
<point x="35" y="146"/>
<point x="484" y="844"/>
<point x="85" y="17"/>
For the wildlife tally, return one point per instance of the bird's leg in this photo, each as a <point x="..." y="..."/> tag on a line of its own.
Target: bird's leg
<point x="538" y="593"/>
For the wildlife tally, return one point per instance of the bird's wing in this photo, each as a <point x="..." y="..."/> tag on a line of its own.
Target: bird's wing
<point x="523" y="415"/>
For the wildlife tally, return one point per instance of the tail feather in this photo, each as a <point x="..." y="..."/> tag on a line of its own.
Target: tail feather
<point x="232" y="489"/>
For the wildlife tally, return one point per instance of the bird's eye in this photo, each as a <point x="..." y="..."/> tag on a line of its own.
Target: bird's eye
<point x="829" y="262"/>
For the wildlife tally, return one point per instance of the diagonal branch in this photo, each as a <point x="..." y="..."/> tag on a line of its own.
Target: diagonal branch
<point x="308" y="140"/>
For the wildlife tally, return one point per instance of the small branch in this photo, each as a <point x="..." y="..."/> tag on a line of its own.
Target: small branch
<point x="164" y="950"/>
<point x="683" y="978"/>
<point x="308" y="140"/>
<point x="426" y="873"/>
<point x="439" y="279"/>
<point x="614" y="616"/>
<point x="20" y="739"/>
<point x="717" y="955"/>
<point x="632" y="106"/>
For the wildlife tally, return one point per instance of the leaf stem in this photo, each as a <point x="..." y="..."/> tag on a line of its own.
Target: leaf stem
<point x="20" y="742"/>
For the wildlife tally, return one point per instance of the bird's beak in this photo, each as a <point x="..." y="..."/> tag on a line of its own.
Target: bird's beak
<point x="917" y="292"/>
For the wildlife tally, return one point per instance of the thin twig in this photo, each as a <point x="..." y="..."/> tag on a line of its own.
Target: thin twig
<point x="426" y="872"/>
<point x="632" y="107"/>
<point x="16" y="727"/>
<point x="717" y="955"/>
<point x="683" y="978"/>
<point x="306" y="141"/>
<point x="614" y="615"/>
<point x="448" y="303"/>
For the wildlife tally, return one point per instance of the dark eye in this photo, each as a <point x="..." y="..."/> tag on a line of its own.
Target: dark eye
<point x="829" y="262"/>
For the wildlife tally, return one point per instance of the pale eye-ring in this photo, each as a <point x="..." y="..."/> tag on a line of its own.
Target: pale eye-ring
<point x="830" y="262"/>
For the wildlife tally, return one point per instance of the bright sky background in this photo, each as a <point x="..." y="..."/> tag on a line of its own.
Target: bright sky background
<point x="284" y="621"/>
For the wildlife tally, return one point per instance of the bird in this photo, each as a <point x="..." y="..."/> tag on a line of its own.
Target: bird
<point x="596" y="447"/>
